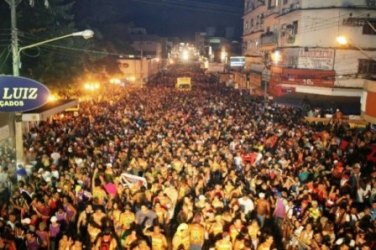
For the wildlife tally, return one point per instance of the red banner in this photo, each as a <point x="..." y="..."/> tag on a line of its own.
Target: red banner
<point x="304" y="77"/>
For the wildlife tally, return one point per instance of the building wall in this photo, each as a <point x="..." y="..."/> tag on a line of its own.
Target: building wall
<point x="368" y="101"/>
<point x="139" y="70"/>
<point x="306" y="32"/>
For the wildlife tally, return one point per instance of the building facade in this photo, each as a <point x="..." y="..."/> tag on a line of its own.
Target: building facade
<point x="304" y="34"/>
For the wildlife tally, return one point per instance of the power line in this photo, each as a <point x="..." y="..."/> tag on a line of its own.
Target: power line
<point x="5" y="60"/>
<point x="167" y="3"/>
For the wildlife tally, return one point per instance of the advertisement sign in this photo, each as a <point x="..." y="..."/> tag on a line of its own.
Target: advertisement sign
<point x="216" y="67"/>
<point x="19" y="94"/>
<point x="303" y="77"/>
<point x="316" y="58"/>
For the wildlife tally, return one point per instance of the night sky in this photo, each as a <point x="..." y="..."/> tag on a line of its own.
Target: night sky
<point x="180" y="18"/>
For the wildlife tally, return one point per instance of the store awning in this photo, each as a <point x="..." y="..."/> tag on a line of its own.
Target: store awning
<point x="48" y="110"/>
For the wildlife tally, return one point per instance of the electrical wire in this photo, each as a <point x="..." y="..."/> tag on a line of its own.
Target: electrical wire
<point x="5" y="60"/>
<point x="186" y="6"/>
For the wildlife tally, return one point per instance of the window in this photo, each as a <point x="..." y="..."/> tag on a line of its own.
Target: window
<point x="251" y="23"/>
<point x="246" y="25"/>
<point x="295" y="27"/>
<point x="262" y="19"/>
<point x="285" y="1"/>
<point x="367" y="67"/>
<point x="371" y="3"/>
<point x="369" y="27"/>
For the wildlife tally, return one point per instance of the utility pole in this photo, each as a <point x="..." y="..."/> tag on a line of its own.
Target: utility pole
<point x="15" y="124"/>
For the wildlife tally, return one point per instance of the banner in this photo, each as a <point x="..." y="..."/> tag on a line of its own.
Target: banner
<point x="130" y="180"/>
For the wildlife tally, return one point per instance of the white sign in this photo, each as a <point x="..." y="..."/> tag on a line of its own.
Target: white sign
<point x="130" y="180"/>
<point x="312" y="58"/>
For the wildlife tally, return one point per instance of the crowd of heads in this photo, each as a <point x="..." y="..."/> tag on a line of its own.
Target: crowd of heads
<point x="212" y="168"/>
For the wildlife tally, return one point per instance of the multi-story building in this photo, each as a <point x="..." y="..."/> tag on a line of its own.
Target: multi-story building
<point x="293" y="45"/>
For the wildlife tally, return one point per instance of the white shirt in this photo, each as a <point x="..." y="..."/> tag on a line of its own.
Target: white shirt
<point x="247" y="203"/>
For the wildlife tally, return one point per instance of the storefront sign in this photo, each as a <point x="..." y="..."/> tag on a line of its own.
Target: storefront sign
<point x="19" y="94"/>
<point x="312" y="58"/>
<point x="304" y="77"/>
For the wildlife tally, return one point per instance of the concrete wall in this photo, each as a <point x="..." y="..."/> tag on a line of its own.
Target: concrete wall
<point x="139" y="71"/>
<point x="368" y="102"/>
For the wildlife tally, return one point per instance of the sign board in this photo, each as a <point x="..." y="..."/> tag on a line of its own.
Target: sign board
<point x="237" y="61"/>
<point x="303" y="77"/>
<point x="216" y="67"/>
<point x="19" y="94"/>
<point x="358" y="21"/>
<point x="316" y="58"/>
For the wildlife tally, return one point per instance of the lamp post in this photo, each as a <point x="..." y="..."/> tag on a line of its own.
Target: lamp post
<point x="86" y="34"/>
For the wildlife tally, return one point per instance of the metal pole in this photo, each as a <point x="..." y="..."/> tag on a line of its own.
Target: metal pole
<point x="17" y="117"/>
<point x="15" y="54"/>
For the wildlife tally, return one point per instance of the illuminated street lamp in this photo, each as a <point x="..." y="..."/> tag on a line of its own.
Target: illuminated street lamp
<point x="276" y="57"/>
<point x="223" y="56"/>
<point x="93" y="86"/>
<point x="342" y="40"/>
<point x="52" y="98"/>
<point x="185" y="55"/>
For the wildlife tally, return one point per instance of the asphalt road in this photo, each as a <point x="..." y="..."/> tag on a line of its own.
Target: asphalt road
<point x="348" y="105"/>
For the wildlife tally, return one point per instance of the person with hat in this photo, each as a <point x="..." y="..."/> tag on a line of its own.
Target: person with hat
<point x="54" y="233"/>
<point x="262" y="209"/>
<point x="181" y="239"/>
<point x="196" y="233"/>
<point x="43" y="235"/>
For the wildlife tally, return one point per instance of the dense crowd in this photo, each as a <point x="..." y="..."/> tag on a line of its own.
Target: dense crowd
<point x="212" y="168"/>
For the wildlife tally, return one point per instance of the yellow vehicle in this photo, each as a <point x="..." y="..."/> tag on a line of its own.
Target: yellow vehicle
<point x="183" y="83"/>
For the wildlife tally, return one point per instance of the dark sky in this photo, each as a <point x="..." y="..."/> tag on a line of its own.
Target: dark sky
<point x="180" y="18"/>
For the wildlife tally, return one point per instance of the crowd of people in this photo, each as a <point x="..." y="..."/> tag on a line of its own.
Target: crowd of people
<point x="212" y="168"/>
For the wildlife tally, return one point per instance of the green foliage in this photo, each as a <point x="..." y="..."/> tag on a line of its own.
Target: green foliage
<point x="51" y="64"/>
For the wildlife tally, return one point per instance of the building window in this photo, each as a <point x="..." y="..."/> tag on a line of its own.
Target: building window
<point x="272" y="4"/>
<point x="285" y="1"/>
<point x="371" y="3"/>
<point x="246" y="25"/>
<point x="367" y="67"/>
<point x="295" y="27"/>
<point x="262" y="19"/>
<point x="368" y="27"/>
<point x="251" y="22"/>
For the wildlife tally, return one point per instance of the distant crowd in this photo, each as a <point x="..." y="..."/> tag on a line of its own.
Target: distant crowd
<point x="212" y="168"/>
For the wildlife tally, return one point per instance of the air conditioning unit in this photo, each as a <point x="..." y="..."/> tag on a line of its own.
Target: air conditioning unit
<point x="285" y="10"/>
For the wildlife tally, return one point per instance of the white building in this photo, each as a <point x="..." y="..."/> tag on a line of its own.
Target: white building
<point x="304" y="32"/>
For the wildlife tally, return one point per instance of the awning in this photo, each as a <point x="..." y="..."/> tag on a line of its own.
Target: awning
<point x="48" y="110"/>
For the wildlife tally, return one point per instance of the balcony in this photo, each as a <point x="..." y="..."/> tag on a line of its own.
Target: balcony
<point x="269" y="39"/>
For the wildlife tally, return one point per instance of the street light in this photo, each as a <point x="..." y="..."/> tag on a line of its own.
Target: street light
<point x="86" y="34"/>
<point x="342" y="40"/>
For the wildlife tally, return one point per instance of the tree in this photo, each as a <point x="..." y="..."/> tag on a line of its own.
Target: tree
<point x="52" y="63"/>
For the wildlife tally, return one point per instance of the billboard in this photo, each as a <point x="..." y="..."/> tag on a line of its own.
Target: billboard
<point x="316" y="58"/>
<point x="19" y="94"/>
<point x="303" y="77"/>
